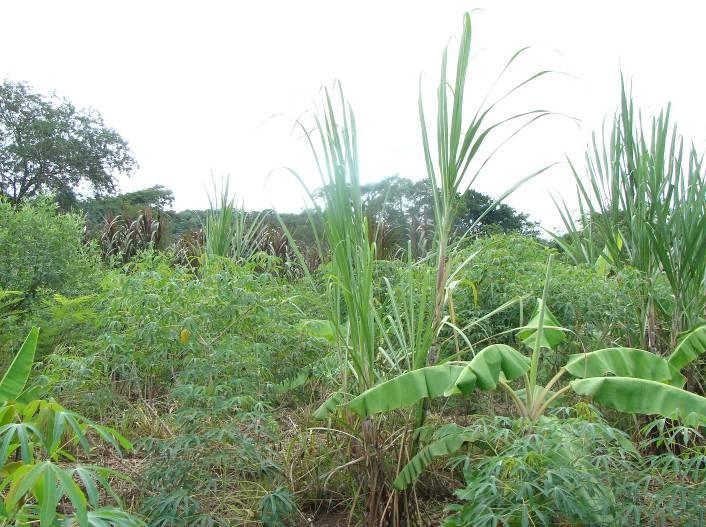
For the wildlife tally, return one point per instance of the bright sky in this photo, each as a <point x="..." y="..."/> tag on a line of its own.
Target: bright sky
<point x="201" y="88"/>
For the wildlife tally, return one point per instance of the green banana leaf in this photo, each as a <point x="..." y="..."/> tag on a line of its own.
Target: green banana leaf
<point x="550" y="338"/>
<point x="690" y="347"/>
<point x="15" y="378"/>
<point x="406" y="389"/>
<point x="328" y="406"/>
<point x="445" y="379"/>
<point x="323" y="329"/>
<point x="624" y="362"/>
<point x="485" y="368"/>
<point x="441" y="447"/>
<point x="642" y="396"/>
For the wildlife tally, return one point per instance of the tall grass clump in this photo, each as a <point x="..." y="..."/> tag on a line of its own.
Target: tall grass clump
<point x="229" y="231"/>
<point x="334" y="146"/>
<point x="643" y="204"/>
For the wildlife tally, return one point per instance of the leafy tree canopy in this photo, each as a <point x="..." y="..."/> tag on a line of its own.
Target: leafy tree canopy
<point x="49" y="145"/>
<point x="157" y="198"/>
<point x="406" y="206"/>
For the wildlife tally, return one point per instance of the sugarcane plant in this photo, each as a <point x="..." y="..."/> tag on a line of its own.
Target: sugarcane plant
<point x="644" y="202"/>
<point x="229" y="231"/>
<point x="626" y="379"/>
<point x="410" y="325"/>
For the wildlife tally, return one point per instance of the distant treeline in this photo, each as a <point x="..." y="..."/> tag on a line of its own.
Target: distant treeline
<point x="399" y="213"/>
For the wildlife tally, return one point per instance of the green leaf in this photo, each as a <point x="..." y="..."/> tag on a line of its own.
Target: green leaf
<point x="323" y="329"/>
<point x="690" y="347"/>
<point x="624" y="362"/>
<point x="294" y="382"/>
<point x="485" y="368"/>
<point x="642" y="396"/>
<point x="407" y="389"/>
<point x="445" y="379"/>
<point x="328" y="407"/>
<point x="441" y="447"/>
<point x="552" y="336"/>
<point x="73" y="492"/>
<point x="605" y="264"/>
<point x="15" y="378"/>
<point x="23" y="480"/>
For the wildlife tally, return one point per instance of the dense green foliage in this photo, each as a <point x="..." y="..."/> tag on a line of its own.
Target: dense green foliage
<point x="402" y="353"/>
<point x="598" y="309"/>
<point x="40" y="248"/>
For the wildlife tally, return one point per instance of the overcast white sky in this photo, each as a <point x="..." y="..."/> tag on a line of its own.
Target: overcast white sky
<point x="193" y="86"/>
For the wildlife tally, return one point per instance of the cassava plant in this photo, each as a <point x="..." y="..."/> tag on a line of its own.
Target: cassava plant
<point x="39" y="442"/>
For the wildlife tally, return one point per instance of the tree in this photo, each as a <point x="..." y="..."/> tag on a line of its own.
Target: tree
<point x="503" y="217"/>
<point x="158" y="198"/>
<point x="406" y="209"/>
<point x="49" y="145"/>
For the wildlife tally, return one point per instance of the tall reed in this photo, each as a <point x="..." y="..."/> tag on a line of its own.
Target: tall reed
<point x="644" y="197"/>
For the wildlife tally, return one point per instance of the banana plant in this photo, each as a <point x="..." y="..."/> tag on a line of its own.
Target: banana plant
<point x="626" y="379"/>
<point x="39" y="443"/>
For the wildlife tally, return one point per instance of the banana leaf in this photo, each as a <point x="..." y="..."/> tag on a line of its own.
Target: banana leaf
<point x="690" y="347"/>
<point x="407" y="389"/>
<point x="441" y="447"/>
<point x="445" y="379"/>
<point x="551" y="336"/>
<point x="624" y="362"/>
<point x="328" y="406"/>
<point x="484" y="369"/>
<point x="15" y="378"/>
<point x="642" y="396"/>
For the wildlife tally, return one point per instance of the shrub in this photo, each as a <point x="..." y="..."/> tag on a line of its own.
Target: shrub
<point x="600" y="310"/>
<point x="42" y="248"/>
<point x="575" y="470"/>
<point x="194" y="360"/>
